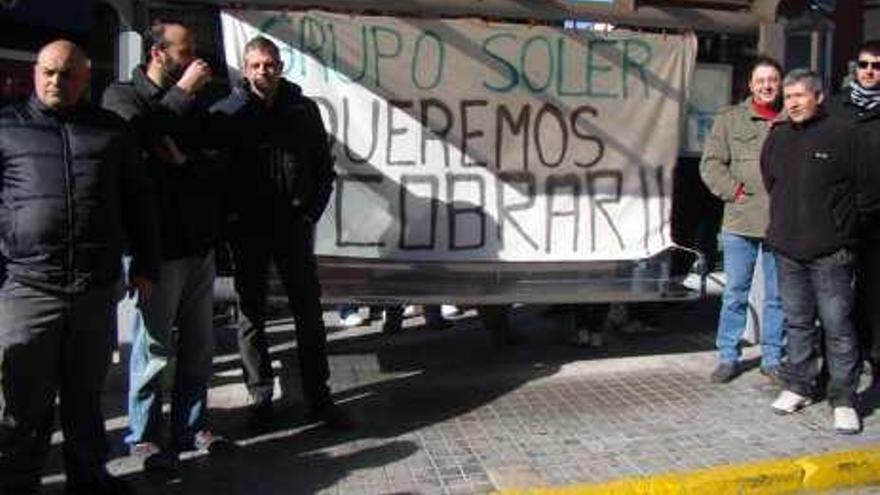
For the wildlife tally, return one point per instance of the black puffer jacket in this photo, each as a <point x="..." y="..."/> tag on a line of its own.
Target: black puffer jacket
<point x="281" y="166"/>
<point x="188" y="195"/>
<point x="72" y="193"/>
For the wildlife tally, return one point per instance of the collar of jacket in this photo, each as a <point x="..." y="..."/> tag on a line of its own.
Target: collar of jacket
<point x="859" y="112"/>
<point x="39" y="107"/>
<point x="754" y="115"/>
<point x="821" y="114"/>
<point x="287" y="92"/>
<point x="144" y="85"/>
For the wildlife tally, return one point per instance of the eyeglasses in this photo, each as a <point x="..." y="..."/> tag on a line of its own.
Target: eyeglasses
<point x="864" y="64"/>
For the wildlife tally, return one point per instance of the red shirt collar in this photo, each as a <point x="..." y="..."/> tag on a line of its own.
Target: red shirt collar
<point x="768" y="112"/>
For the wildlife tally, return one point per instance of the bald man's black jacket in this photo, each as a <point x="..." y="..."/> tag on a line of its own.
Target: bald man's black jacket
<point x="73" y="196"/>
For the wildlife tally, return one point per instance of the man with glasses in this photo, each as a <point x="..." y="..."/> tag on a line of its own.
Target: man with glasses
<point x="860" y="105"/>
<point x="731" y="171"/>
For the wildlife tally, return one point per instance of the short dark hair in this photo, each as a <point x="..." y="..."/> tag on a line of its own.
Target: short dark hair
<point x="154" y="36"/>
<point x="765" y="61"/>
<point x="262" y="44"/>
<point x="870" y="47"/>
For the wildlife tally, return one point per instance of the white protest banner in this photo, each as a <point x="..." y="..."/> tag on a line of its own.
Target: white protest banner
<point x="467" y="140"/>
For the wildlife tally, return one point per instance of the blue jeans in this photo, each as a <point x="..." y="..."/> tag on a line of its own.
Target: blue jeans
<point x="822" y="286"/>
<point x="740" y="256"/>
<point x="182" y="298"/>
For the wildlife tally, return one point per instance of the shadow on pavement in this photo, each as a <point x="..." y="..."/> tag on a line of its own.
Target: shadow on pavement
<point x="397" y="385"/>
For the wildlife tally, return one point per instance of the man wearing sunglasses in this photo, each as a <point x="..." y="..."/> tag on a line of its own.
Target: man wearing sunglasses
<point x="859" y="103"/>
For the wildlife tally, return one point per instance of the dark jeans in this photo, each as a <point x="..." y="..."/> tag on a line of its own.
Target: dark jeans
<point x="291" y="249"/>
<point x="822" y="286"/>
<point x="52" y="345"/>
<point x="867" y="301"/>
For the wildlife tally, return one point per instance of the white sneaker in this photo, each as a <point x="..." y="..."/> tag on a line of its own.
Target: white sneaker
<point x="351" y="321"/>
<point x="449" y="310"/>
<point x="409" y="311"/>
<point x="789" y="402"/>
<point x="846" y="421"/>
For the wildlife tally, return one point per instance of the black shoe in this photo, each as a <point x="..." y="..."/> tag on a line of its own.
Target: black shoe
<point x="105" y="485"/>
<point x="500" y="340"/>
<point x="261" y="416"/>
<point x="392" y="325"/>
<point x="154" y="458"/>
<point x="871" y="368"/>
<point x="205" y="442"/>
<point x="439" y="325"/>
<point x="331" y="417"/>
<point x="724" y="372"/>
<point x="772" y="374"/>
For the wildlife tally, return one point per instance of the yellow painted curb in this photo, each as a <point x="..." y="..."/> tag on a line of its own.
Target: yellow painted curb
<point x="773" y="477"/>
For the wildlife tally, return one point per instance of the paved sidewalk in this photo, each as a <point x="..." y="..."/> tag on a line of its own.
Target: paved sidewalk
<point x="442" y="412"/>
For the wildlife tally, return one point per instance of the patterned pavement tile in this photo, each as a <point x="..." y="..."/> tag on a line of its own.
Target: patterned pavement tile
<point x="445" y="413"/>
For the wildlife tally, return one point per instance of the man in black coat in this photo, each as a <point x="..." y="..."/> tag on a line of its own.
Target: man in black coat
<point x="809" y="168"/>
<point x="282" y="175"/>
<point x="860" y="105"/>
<point x="73" y="195"/>
<point x="162" y="104"/>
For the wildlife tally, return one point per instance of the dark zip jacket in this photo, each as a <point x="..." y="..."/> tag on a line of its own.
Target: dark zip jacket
<point x="73" y="195"/>
<point x="189" y="194"/>
<point x="810" y="173"/>
<point x="867" y="129"/>
<point x="281" y="165"/>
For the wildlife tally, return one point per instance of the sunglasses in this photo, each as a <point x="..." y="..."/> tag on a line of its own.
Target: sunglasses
<point x="864" y="64"/>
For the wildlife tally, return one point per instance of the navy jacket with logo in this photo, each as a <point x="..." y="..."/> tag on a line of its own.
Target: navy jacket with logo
<point x="810" y="173"/>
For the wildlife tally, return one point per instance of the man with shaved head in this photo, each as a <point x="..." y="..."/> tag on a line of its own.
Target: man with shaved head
<point x="65" y="169"/>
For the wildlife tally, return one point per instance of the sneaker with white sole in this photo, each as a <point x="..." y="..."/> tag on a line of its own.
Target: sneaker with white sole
<point x="789" y="402"/>
<point x="846" y="421"/>
<point x="449" y="310"/>
<point x="153" y="457"/>
<point x="352" y="320"/>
